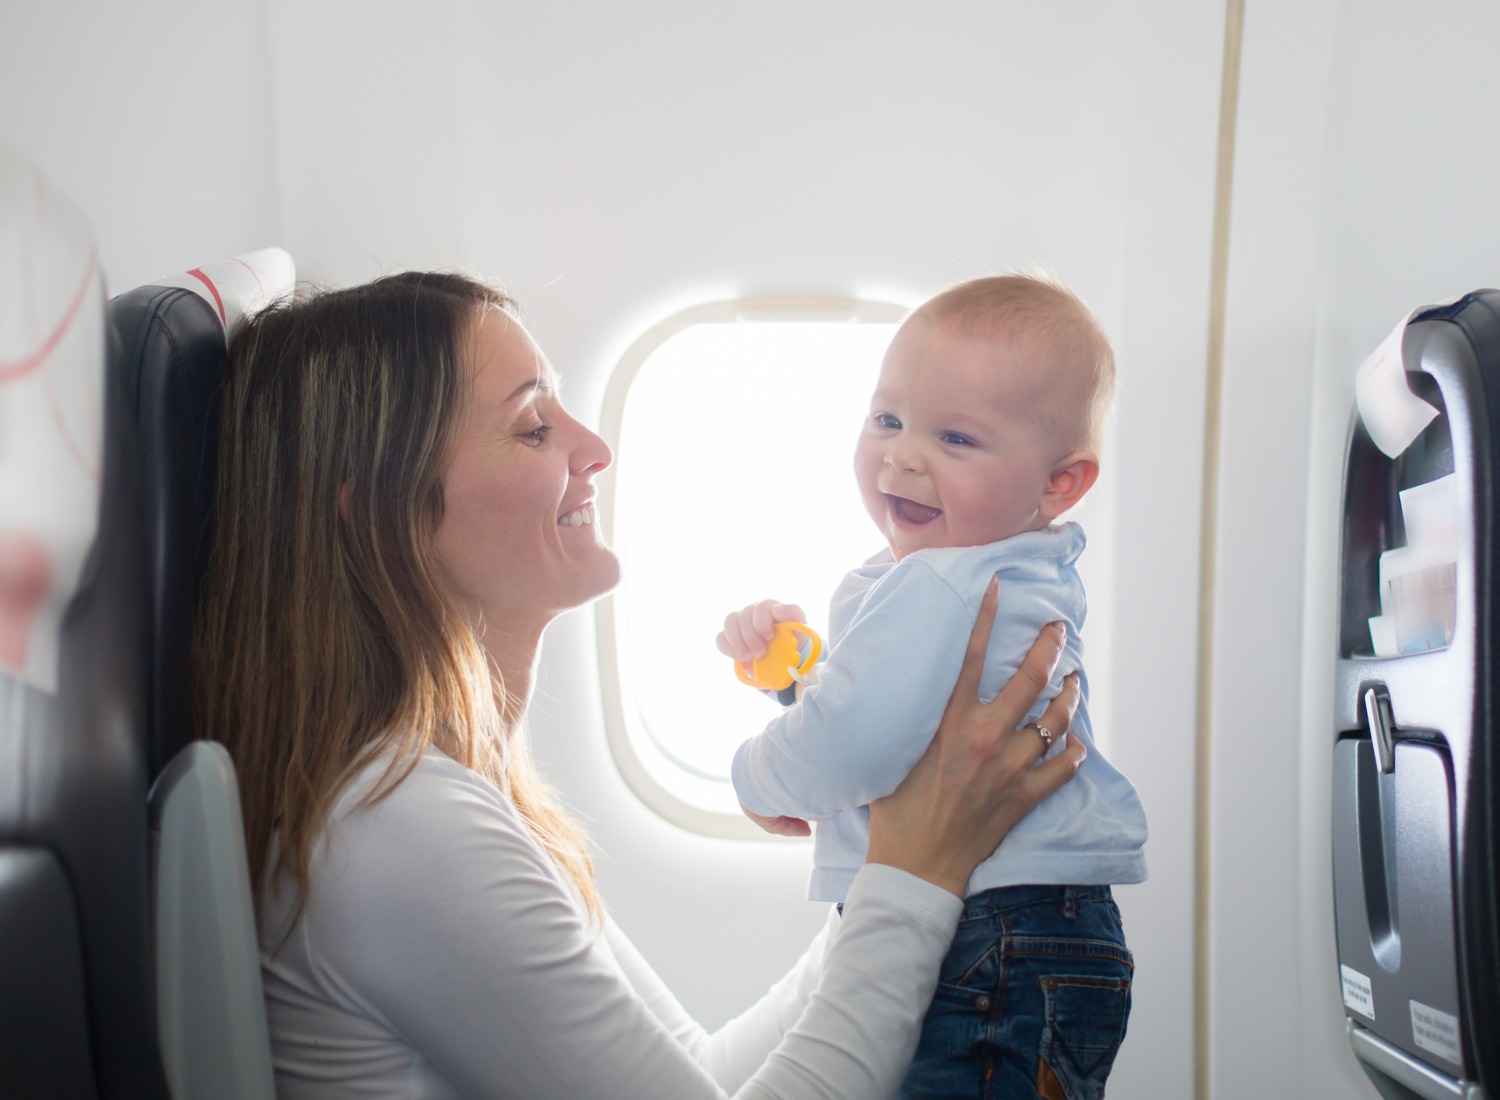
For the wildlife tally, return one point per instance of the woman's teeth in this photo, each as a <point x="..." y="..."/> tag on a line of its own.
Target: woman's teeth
<point x="579" y="517"/>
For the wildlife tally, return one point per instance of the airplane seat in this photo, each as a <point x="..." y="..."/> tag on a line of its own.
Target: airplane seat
<point x="1416" y="746"/>
<point x="214" y="1039"/>
<point x="77" y="1001"/>
<point x="173" y="337"/>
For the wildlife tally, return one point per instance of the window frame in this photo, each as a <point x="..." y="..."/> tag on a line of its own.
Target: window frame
<point x="608" y="622"/>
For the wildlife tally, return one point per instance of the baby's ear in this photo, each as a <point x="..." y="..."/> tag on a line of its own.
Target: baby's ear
<point x="1072" y="478"/>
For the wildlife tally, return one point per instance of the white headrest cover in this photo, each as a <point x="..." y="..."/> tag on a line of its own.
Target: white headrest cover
<point x="239" y="287"/>
<point x="51" y="412"/>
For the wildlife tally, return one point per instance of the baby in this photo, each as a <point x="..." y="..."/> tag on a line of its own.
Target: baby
<point x="984" y="428"/>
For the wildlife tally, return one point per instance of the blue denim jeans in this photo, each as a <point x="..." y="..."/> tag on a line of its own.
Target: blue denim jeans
<point x="1032" y="999"/>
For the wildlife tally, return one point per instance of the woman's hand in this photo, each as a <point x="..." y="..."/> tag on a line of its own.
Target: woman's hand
<point x="980" y="775"/>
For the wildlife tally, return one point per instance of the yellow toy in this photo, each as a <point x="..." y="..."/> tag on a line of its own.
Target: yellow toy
<point x="783" y="661"/>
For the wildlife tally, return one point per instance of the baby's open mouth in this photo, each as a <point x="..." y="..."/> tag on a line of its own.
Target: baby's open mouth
<point x="909" y="511"/>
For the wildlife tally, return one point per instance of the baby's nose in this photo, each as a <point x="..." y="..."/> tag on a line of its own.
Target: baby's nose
<point x="903" y="456"/>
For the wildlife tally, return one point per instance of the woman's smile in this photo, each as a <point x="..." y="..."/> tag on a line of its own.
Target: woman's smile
<point x="582" y="516"/>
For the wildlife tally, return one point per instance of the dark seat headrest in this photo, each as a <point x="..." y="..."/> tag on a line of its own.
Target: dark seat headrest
<point x="173" y="337"/>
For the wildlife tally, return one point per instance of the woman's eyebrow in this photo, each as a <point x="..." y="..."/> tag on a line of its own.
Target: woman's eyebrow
<point x="540" y="385"/>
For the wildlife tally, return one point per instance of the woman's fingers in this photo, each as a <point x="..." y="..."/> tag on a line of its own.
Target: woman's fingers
<point x="1020" y="694"/>
<point x="1058" y="717"/>
<point x="979" y="775"/>
<point x="967" y="686"/>
<point x="1050" y="775"/>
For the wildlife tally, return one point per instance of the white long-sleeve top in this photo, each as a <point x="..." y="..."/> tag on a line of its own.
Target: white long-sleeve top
<point x="441" y="954"/>
<point x="897" y="635"/>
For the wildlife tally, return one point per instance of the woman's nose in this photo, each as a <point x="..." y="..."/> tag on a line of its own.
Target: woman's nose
<point x="591" y="455"/>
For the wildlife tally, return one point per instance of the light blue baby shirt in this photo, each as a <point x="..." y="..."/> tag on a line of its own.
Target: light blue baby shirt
<point x="897" y="634"/>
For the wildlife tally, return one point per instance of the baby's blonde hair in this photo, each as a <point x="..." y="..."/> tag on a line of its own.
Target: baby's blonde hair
<point x="1037" y="308"/>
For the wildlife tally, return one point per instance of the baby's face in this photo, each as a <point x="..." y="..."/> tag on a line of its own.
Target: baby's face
<point x="953" y="452"/>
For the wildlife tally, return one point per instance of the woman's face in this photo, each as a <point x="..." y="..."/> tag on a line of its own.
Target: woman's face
<point x="519" y="541"/>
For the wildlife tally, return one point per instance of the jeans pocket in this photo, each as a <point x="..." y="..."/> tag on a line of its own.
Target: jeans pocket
<point x="1082" y="1029"/>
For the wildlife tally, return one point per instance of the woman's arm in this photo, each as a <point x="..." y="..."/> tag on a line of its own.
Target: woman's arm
<point x="435" y="918"/>
<point x="436" y="921"/>
<point x="733" y="1053"/>
<point x="870" y="973"/>
<point x="860" y="1029"/>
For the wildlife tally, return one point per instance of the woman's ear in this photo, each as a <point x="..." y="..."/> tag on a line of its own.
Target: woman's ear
<point x="344" y="502"/>
<point x="1072" y="478"/>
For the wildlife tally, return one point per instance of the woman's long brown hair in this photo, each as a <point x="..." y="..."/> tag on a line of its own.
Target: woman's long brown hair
<point x="324" y="639"/>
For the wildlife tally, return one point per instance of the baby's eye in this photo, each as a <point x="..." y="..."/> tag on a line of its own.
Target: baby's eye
<point x="886" y="421"/>
<point x="956" y="440"/>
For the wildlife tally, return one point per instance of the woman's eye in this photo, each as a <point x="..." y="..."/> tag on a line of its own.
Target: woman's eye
<point x="886" y="421"/>
<point x="537" y="434"/>
<point x="956" y="440"/>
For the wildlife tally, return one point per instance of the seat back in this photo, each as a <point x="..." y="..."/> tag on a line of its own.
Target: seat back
<point x="173" y="338"/>
<point x="212" y="1018"/>
<point x="1416" y="753"/>
<point x="77" y="1003"/>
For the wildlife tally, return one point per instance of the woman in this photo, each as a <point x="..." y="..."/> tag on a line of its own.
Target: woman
<point x="404" y="505"/>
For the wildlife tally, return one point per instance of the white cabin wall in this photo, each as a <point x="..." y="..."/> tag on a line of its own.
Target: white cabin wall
<point x="375" y="124"/>
<point x="1261" y="1033"/>
<point x="1165" y="194"/>
<point x="155" y="119"/>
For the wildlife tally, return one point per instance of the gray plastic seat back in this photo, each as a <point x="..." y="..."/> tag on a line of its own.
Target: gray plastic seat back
<point x="212" y="1015"/>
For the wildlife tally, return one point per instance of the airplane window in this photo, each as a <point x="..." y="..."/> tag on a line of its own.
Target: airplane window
<point x="734" y="427"/>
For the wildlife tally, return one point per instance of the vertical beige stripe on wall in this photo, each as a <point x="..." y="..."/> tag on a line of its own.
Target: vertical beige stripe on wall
<point x="1234" y="21"/>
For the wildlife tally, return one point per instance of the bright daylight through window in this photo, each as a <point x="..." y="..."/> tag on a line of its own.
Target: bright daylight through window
<point x="734" y="427"/>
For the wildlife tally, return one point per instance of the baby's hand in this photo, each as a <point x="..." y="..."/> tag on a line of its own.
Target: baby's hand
<point x="780" y="826"/>
<point x="746" y="632"/>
